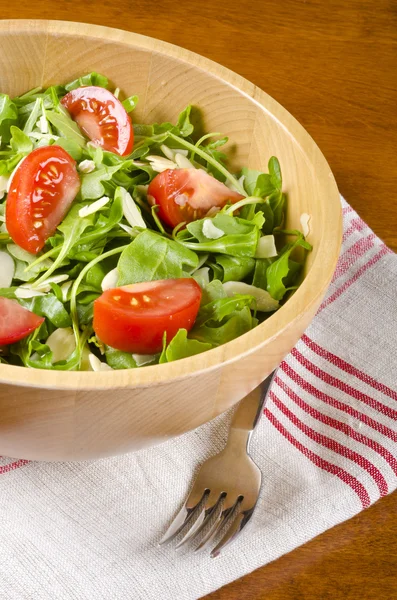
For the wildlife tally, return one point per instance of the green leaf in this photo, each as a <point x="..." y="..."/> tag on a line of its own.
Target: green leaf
<point x="95" y="275"/>
<point x="72" y="227"/>
<point x="130" y="103"/>
<point x="250" y="179"/>
<point x="236" y="324"/>
<point x="8" y="165"/>
<point x="92" y="183"/>
<point x="213" y="291"/>
<point x="240" y="239"/>
<point x="71" y="147"/>
<point x="65" y="126"/>
<point x="23" y="259"/>
<point x="217" y="310"/>
<point x="235" y="268"/>
<point x="279" y="270"/>
<point x="50" y="307"/>
<point x="182" y="347"/>
<point x="89" y="79"/>
<point x="119" y="360"/>
<point x="101" y="229"/>
<point x="264" y="186"/>
<point x="183" y="124"/>
<point x="8" y="292"/>
<point x="33" y="117"/>
<point x="259" y="279"/>
<point x="275" y="173"/>
<point x="8" y="117"/>
<point x="20" y="142"/>
<point x="151" y="257"/>
<point x="277" y="203"/>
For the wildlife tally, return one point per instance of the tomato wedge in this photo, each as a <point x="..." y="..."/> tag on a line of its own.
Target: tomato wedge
<point x="133" y="318"/>
<point x="185" y="195"/>
<point x="102" y="117"/>
<point x="16" y="322"/>
<point x="42" y="189"/>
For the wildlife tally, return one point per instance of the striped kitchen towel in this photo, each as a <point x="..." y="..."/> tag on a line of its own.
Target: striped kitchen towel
<point x="327" y="448"/>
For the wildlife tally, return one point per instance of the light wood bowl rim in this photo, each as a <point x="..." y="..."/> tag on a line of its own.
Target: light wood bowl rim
<point x="314" y="285"/>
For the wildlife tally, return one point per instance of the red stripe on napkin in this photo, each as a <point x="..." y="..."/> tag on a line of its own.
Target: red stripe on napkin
<point x="316" y="393"/>
<point x="333" y="445"/>
<point x="348" y="368"/>
<point x="320" y="462"/>
<point x="339" y="425"/>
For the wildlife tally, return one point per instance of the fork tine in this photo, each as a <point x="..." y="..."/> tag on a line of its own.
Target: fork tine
<point x="181" y="519"/>
<point x="233" y="532"/>
<point x="221" y="519"/>
<point x="201" y="522"/>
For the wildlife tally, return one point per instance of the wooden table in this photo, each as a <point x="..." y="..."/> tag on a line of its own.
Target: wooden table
<point x="332" y="64"/>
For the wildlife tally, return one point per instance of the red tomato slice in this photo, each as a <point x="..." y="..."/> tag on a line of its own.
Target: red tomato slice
<point x="16" y="322"/>
<point x="102" y="117"/>
<point x="187" y="195"/>
<point x="42" y="189"/>
<point x="133" y="318"/>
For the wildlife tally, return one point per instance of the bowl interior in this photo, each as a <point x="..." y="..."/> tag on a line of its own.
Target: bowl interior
<point x="166" y="79"/>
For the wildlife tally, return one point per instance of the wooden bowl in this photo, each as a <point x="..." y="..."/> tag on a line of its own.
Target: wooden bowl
<point x="55" y="415"/>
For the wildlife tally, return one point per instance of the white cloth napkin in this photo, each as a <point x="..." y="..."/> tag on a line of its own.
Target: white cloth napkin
<point x="326" y="446"/>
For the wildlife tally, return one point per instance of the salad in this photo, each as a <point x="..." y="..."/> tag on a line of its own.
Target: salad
<point x="126" y="244"/>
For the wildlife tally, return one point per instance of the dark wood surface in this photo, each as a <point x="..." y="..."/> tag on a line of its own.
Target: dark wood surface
<point x="333" y="65"/>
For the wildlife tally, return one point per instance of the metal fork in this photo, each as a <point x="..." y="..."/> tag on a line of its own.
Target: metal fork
<point x="228" y="484"/>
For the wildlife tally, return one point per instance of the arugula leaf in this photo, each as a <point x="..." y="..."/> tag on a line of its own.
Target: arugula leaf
<point x="235" y="268"/>
<point x="34" y="115"/>
<point x="277" y="202"/>
<point x="48" y="306"/>
<point x="24" y="259"/>
<point x="103" y="226"/>
<point x="234" y="325"/>
<point x="71" y="147"/>
<point x="183" y="124"/>
<point x="8" y="117"/>
<point x="119" y="360"/>
<point x="280" y="268"/>
<point x="89" y="79"/>
<point x="130" y="103"/>
<point x="20" y="142"/>
<point x="213" y="291"/>
<point x="240" y="239"/>
<point x="72" y="227"/>
<point x="275" y="173"/>
<point x="182" y="347"/>
<point x="8" y="292"/>
<point x="259" y="279"/>
<point x="65" y="125"/>
<point x="92" y="183"/>
<point x="250" y="179"/>
<point x="8" y="165"/>
<point x="217" y="310"/>
<point x="151" y="257"/>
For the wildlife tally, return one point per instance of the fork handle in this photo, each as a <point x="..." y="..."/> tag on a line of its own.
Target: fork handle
<point x="249" y="411"/>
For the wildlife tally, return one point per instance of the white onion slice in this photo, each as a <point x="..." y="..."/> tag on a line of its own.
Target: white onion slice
<point x="89" y="209"/>
<point x="211" y="231"/>
<point x="62" y="343"/>
<point x="305" y="218"/>
<point x="130" y="210"/>
<point x="110" y="280"/>
<point x="266" y="247"/>
<point x="97" y="365"/>
<point x="264" y="301"/>
<point x="7" y="270"/>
